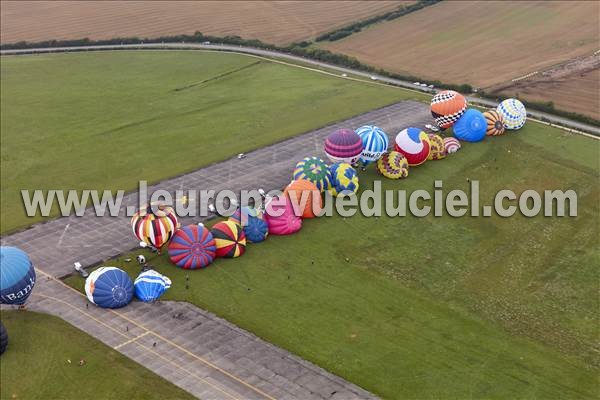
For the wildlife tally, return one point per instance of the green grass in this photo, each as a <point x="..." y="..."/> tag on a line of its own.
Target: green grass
<point x="433" y="307"/>
<point x="106" y="120"/>
<point x="35" y="364"/>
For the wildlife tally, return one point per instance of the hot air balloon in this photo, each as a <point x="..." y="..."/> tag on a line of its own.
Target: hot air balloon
<point x="154" y="225"/>
<point x="305" y="193"/>
<point x="393" y="165"/>
<point x="192" y="247"/>
<point x="315" y="170"/>
<point x="150" y="285"/>
<point x="344" y="145"/>
<point x="447" y="107"/>
<point x="109" y="287"/>
<point x="344" y="179"/>
<point x="281" y="217"/>
<point x="241" y="214"/>
<point x="471" y="126"/>
<point x="414" y="144"/>
<point x="513" y="112"/>
<point x="438" y="151"/>
<point x="452" y="145"/>
<point x="17" y="276"/>
<point x="495" y="123"/>
<point x="229" y="238"/>
<point x="3" y="338"/>
<point x="256" y="229"/>
<point x="375" y="143"/>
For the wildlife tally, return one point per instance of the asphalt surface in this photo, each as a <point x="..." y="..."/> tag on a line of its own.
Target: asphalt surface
<point x="205" y="355"/>
<point x="539" y="115"/>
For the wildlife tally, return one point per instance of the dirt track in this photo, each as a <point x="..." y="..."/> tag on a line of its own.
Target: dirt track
<point x="276" y="22"/>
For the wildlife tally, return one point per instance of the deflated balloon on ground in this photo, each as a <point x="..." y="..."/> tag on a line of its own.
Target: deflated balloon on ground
<point x="109" y="287"/>
<point x="192" y="247"/>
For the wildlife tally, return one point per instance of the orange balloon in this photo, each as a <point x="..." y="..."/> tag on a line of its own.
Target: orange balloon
<point x="304" y="192"/>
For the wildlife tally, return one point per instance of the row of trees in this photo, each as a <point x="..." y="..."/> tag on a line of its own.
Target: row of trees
<point x="358" y="26"/>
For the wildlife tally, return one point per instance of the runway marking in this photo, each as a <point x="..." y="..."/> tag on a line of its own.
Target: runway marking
<point x="131" y="340"/>
<point x="60" y="239"/>
<point x="164" y="339"/>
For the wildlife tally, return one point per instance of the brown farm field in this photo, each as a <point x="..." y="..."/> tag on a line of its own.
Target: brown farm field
<point x="480" y="43"/>
<point x="278" y="22"/>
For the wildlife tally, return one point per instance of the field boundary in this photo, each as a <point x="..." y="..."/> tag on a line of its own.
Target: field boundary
<point x="272" y="55"/>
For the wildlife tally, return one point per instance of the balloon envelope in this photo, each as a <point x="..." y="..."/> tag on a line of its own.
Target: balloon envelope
<point x="229" y="239"/>
<point x="315" y="170"/>
<point x="414" y="144"/>
<point x="109" y="287"/>
<point x="281" y="217"/>
<point x="451" y="144"/>
<point x="375" y="143"/>
<point x="256" y="229"/>
<point x="344" y="179"/>
<point x="471" y="127"/>
<point x="513" y="112"/>
<point x="154" y="224"/>
<point x="495" y="123"/>
<point x="192" y="247"/>
<point x="150" y="285"/>
<point x="447" y="107"/>
<point x="344" y="145"/>
<point x="438" y="151"/>
<point x="393" y="165"/>
<point x="306" y="196"/>
<point x="17" y="275"/>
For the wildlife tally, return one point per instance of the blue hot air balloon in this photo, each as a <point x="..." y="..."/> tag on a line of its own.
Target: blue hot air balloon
<point x="471" y="127"/>
<point x="150" y="285"/>
<point x="109" y="287"/>
<point x="256" y="229"/>
<point x="375" y="143"/>
<point x="17" y="276"/>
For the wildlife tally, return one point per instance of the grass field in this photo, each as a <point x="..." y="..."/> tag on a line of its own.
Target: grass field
<point x="106" y="120"/>
<point x="480" y="43"/>
<point x="278" y="22"/>
<point x="433" y="307"/>
<point x="39" y="347"/>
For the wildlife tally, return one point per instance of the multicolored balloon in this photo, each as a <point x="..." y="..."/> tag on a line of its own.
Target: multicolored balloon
<point x="513" y="112"/>
<point x="438" y="150"/>
<point x="495" y="123"/>
<point x="393" y="165"/>
<point x="306" y="195"/>
<point x="281" y="217"/>
<point x="315" y="170"/>
<point x="471" y="127"/>
<point x="344" y="179"/>
<point x="150" y="285"/>
<point x="344" y="145"/>
<point x="192" y="247"/>
<point x="109" y="287"/>
<point x="154" y="224"/>
<point x="447" y="107"/>
<point x="17" y="276"/>
<point x="242" y="214"/>
<point x="414" y="144"/>
<point x="375" y="143"/>
<point x="451" y="144"/>
<point x="230" y="239"/>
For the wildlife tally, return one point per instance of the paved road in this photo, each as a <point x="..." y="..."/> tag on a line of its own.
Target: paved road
<point x="554" y="119"/>
<point x="197" y="351"/>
